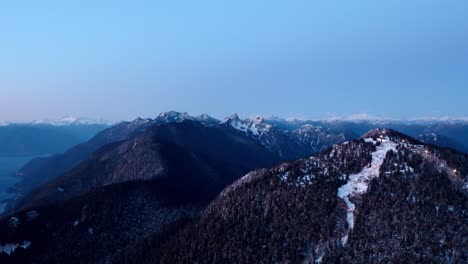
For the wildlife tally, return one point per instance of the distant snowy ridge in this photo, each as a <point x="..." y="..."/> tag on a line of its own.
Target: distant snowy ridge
<point x="4" y="123"/>
<point x="173" y="116"/>
<point x="71" y="120"/>
<point x="418" y="120"/>
<point x="364" y="117"/>
<point x="360" y="117"/>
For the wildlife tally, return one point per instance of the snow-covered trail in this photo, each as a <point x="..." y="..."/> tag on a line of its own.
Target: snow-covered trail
<point x="358" y="183"/>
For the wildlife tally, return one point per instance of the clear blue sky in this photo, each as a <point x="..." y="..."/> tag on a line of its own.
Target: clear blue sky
<point x="122" y="59"/>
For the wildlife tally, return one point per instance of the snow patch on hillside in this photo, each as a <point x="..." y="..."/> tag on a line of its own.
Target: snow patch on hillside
<point x="358" y="183"/>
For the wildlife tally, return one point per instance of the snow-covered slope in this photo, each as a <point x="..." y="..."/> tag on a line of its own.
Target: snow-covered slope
<point x="358" y="183"/>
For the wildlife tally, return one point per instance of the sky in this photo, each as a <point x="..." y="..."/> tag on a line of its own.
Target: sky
<point x="118" y="60"/>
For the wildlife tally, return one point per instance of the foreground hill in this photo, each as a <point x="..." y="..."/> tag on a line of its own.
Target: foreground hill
<point x="384" y="198"/>
<point x="92" y="228"/>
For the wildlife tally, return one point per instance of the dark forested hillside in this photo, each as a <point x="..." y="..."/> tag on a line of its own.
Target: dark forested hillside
<point x="92" y="228"/>
<point x="190" y="159"/>
<point x="382" y="199"/>
<point x="171" y="171"/>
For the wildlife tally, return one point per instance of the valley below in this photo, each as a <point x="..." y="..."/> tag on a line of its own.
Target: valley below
<point x="8" y="168"/>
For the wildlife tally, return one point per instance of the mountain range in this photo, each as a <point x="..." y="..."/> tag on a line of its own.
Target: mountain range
<point x="185" y="189"/>
<point x="282" y="143"/>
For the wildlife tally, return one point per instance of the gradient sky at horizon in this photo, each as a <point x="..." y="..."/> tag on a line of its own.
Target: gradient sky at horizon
<point x="122" y="59"/>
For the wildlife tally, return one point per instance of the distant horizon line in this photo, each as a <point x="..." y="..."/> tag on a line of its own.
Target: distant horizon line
<point x="70" y="119"/>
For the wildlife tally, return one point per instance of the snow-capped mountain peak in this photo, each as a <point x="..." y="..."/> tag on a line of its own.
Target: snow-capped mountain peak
<point x="234" y="117"/>
<point x="254" y="126"/>
<point x="257" y="119"/>
<point x="207" y="119"/>
<point x="235" y="122"/>
<point x="173" y="116"/>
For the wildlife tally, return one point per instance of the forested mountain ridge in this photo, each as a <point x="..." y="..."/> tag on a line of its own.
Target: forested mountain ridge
<point x="283" y="145"/>
<point x="128" y="191"/>
<point x="383" y="198"/>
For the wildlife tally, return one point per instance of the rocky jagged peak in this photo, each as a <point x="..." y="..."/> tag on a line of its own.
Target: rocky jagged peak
<point x="234" y="117"/>
<point x="257" y="119"/>
<point x="253" y="126"/>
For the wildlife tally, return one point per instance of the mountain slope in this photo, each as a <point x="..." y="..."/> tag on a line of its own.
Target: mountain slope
<point x="287" y="145"/>
<point x="174" y="168"/>
<point x="191" y="159"/>
<point x="383" y="198"/>
<point x="40" y="170"/>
